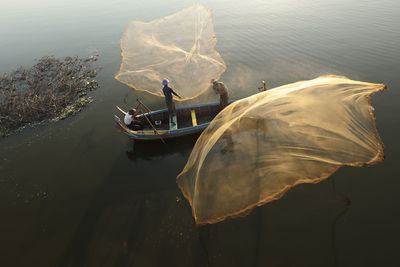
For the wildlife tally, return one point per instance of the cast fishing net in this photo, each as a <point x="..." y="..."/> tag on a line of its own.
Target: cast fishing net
<point x="180" y="47"/>
<point x="259" y="147"/>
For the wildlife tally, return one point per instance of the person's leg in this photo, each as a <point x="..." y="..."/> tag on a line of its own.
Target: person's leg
<point x="137" y="124"/>
<point x="171" y="111"/>
<point x="223" y="100"/>
<point x="173" y="108"/>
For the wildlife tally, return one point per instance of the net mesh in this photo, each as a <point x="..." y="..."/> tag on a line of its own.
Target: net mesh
<point x="259" y="147"/>
<point x="180" y="47"/>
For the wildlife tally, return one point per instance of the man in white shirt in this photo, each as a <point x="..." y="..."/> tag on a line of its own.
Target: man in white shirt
<point x="129" y="116"/>
<point x="131" y="121"/>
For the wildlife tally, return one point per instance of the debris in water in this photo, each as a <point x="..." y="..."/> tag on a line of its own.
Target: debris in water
<point x="51" y="89"/>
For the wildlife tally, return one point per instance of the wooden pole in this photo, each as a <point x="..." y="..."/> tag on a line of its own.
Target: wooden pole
<point x="148" y="110"/>
<point x="121" y="110"/>
<point x="154" y="128"/>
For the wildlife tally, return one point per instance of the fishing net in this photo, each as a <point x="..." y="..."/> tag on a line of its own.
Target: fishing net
<point x="261" y="146"/>
<point x="180" y="47"/>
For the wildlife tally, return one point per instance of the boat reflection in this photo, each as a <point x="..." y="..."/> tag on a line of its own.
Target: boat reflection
<point x="150" y="150"/>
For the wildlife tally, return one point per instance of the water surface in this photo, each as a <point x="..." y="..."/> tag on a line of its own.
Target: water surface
<point x="72" y="196"/>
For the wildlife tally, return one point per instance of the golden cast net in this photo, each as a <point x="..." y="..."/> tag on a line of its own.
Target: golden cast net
<point x="179" y="47"/>
<point x="259" y="147"/>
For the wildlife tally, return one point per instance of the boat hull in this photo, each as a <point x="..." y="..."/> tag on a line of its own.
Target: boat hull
<point x="149" y="134"/>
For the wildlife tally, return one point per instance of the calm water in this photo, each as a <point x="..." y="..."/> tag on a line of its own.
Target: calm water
<point x="71" y="195"/>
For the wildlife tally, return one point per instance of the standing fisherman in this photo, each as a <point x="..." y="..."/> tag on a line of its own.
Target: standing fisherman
<point x="220" y="88"/>
<point x="168" y="99"/>
<point x="262" y="88"/>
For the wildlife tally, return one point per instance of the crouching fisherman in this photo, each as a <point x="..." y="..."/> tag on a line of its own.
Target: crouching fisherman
<point x="131" y="121"/>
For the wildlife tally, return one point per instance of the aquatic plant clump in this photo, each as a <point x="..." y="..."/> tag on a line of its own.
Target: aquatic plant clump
<point x="51" y="89"/>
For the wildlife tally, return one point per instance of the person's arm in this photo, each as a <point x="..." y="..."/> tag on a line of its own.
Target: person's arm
<point x="172" y="91"/>
<point x="224" y="88"/>
<point x="137" y="111"/>
<point x="215" y="89"/>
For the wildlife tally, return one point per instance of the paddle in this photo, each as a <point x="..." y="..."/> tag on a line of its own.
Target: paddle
<point x="141" y="103"/>
<point x="152" y="126"/>
<point x="120" y="109"/>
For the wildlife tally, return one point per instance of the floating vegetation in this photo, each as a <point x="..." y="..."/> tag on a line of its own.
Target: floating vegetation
<point x="52" y="89"/>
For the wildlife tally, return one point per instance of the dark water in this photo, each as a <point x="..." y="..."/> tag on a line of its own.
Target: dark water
<point x="71" y="195"/>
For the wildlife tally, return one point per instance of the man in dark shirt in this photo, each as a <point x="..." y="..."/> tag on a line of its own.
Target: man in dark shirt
<point x="220" y="88"/>
<point x="168" y="99"/>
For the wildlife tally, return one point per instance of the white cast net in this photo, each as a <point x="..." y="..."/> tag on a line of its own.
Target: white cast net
<point x="259" y="147"/>
<point x="179" y="47"/>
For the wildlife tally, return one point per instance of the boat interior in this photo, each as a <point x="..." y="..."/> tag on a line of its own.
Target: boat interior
<point x="186" y="117"/>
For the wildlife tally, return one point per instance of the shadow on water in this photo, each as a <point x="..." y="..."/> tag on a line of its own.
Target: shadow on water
<point x="138" y="217"/>
<point x="127" y="198"/>
<point x="265" y="236"/>
<point x="148" y="150"/>
<point x="339" y="215"/>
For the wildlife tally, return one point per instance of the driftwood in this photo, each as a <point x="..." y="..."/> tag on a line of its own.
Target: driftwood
<point x="51" y="89"/>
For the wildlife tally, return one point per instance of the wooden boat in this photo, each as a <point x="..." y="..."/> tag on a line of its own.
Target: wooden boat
<point x="157" y="125"/>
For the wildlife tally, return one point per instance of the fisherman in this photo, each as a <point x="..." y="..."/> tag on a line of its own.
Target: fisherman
<point x="263" y="87"/>
<point x="168" y="99"/>
<point x="220" y="88"/>
<point x="131" y="121"/>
